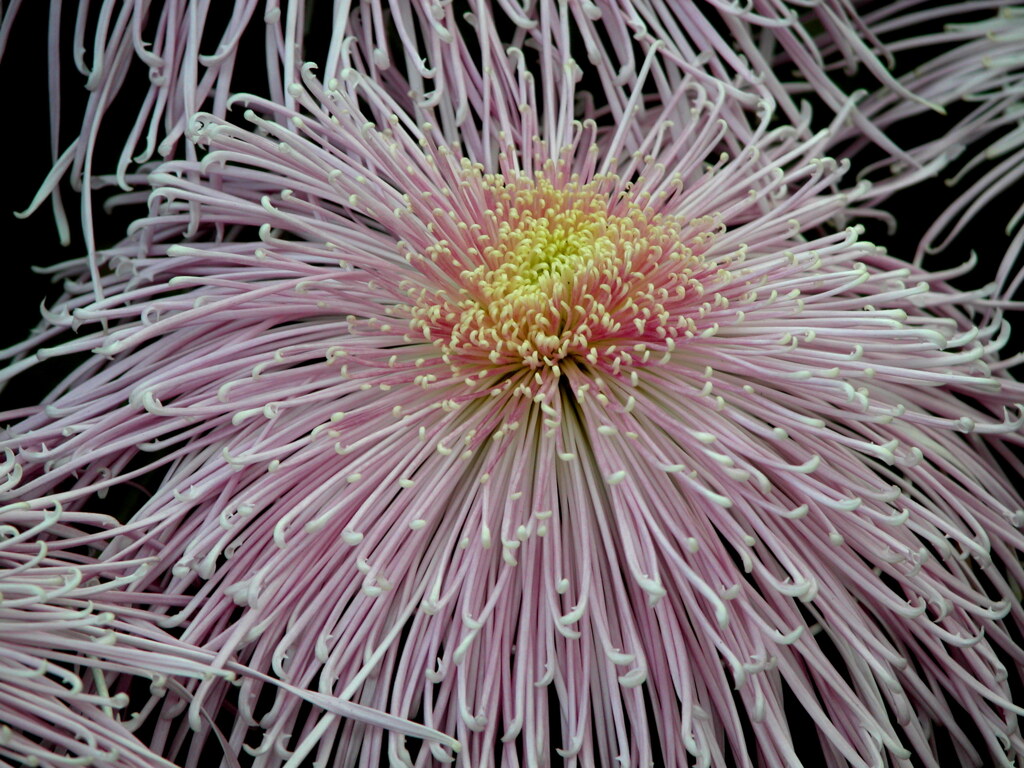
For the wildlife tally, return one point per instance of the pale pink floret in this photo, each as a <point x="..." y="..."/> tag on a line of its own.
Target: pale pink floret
<point x="77" y="649"/>
<point x="782" y="483"/>
<point x="70" y="642"/>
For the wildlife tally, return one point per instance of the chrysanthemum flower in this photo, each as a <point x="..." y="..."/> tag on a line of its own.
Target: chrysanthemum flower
<point x="562" y="424"/>
<point x="73" y="644"/>
<point x="62" y="643"/>
<point x="50" y="626"/>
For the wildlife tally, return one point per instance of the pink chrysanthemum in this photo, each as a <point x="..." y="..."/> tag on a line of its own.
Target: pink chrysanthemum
<point x="66" y="632"/>
<point x="74" y="647"/>
<point x="554" y="423"/>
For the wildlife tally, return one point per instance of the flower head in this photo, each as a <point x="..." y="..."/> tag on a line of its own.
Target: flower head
<point x="535" y="274"/>
<point x="570" y="425"/>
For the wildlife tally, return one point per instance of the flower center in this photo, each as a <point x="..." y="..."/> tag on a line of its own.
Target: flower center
<point x="552" y="270"/>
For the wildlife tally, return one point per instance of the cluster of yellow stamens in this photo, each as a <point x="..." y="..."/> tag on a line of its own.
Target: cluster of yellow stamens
<point x="553" y="270"/>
